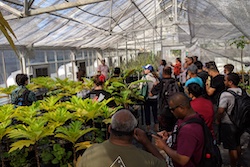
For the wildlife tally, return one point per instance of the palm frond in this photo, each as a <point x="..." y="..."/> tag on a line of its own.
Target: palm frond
<point x="5" y="28"/>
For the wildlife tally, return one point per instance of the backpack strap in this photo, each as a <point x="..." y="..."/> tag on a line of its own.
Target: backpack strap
<point x="235" y="95"/>
<point x="199" y="121"/>
<point x="209" y="147"/>
<point x="193" y="120"/>
<point x="232" y="92"/>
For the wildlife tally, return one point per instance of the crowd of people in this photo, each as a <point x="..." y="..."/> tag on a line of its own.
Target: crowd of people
<point x="192" y="90"/>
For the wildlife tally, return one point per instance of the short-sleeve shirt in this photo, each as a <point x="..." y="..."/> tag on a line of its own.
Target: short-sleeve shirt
<point x="203" y="75"/>
<point x="190" y="141"/>
<point x="218" y="84"/>
<point x="151" y="83"/>
<point x="108" y="154"/>
<point x="104" y="70"/>
<point x="160" y="70"/>
<point x="227" y="101"/>
<point x="204" y="107"/>
<point x="177" y="69"/>
<point x="197" y="80"/>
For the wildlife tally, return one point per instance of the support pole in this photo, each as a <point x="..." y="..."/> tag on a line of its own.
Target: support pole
<point x="110" y="20"/>
<point x="4" y="70"/>
<point x="26" y="7"/>
<point x="126" y="51"/>
<point x="117" y="55"/>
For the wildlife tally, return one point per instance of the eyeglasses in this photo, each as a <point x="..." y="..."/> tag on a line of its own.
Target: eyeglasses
<point x="173" y="108"/>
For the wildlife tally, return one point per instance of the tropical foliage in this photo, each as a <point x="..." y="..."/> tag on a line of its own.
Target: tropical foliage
<point x="55" y="128"/>
<point x="240" y="44"/>
<point x="6" y="30"/>
<point x="29" y="126"/>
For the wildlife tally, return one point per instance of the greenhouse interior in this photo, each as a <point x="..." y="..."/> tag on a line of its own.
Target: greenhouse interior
<point x="57" y="38"/>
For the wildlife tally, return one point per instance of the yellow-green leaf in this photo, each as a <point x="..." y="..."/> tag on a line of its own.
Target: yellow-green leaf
<point x="83" y="145"/>
<point x="20" y="144"/>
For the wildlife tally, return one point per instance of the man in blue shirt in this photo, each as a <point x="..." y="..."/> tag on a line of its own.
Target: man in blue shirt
<point x="192" y="73"/>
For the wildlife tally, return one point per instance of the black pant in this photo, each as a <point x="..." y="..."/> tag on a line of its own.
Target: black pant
<point x="153" y="104"/>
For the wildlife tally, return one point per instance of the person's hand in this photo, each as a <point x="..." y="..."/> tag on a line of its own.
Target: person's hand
<point x="156" y="82"/>
<point x="164" y="135"/>
<point x="150" y="94"/>
<point x="140" y="136"/>
<point x="208" y="82"/>
<point x="159" y="142"/>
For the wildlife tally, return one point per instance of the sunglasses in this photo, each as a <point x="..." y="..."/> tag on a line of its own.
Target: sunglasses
<point x="173" y="108"/>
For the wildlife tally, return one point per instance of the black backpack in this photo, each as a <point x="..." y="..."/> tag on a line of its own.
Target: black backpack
<point x="211" y="156"/>
<point x="166" y="118"/>
<point x="240" y="115"/>
<point x="23" y="99"/>
<point x="169" y="88"/>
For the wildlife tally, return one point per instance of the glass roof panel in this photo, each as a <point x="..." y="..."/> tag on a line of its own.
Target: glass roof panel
<point x="91" y="26"/>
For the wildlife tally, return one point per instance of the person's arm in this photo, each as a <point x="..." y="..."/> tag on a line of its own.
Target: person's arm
<point x="98" y="68"/>
<point x="156" y="89"/>
<point x="210" y="91"/>
<point x="142" y="138"/>
<point x="223" y="105"/>
<point x="219" y="115"/>
<point x="178" y="158"/>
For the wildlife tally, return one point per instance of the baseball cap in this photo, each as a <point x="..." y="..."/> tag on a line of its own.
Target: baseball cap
<point x="148" y="67"/>
<point x="192" y="68"/>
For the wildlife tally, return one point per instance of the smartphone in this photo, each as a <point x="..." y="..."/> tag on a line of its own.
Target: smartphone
<point x="153" y="133"/>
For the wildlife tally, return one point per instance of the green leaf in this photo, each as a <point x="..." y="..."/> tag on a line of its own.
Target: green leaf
<point x="5" y="27"/>
<point x="55" y="161"/>
<point x="83" y="145"/>
<point x="58" y="117"/>
<point x="20" y="144"/>
<point x="46" y="157"/>
<point x="72" y="132"/>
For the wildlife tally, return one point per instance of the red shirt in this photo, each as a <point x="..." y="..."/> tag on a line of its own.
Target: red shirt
<point x="205" y="108"/>
<point x="177" y="68"/>
<point x="190" y="141"/>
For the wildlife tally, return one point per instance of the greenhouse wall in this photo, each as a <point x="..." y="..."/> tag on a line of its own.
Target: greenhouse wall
<point x="61" y="63"/>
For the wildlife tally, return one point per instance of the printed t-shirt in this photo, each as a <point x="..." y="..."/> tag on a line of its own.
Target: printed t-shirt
<point x="108" y="154"/>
